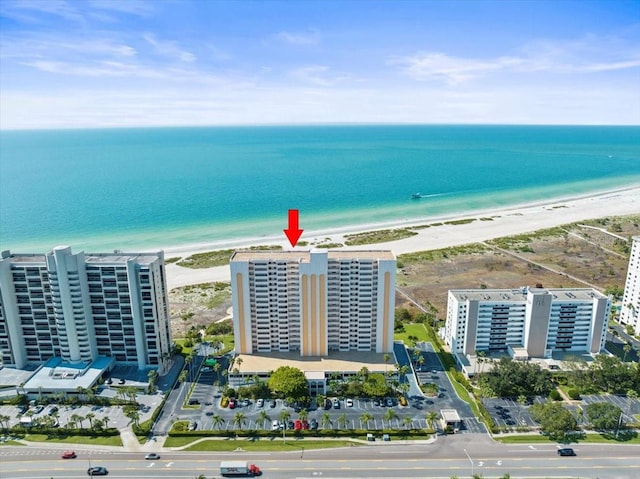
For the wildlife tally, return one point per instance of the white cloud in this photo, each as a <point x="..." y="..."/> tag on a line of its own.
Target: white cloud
<point x="318" y="75"/>
<point x="169" y="49"/>
<point x="298" y="38"/>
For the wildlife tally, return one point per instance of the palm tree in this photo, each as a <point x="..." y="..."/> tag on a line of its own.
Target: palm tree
<point x="432" y="418"/>
<point x="263" y="417"/>
<point x="522" y="400"/>
<point x="407" y="422"/>
<point x="105" y="420"/>
<point x="303" y="414"/>
<point x="386" y="357"/>
<point x="182" y="377"/>
<point x="74" y="419"/>
<point x="240" y="420"/>
<point x="90" y="416"/>
<point x="627" y="349"/>
<point x="4" y="421"/>
<point x="365" y="417"/>
<point x="217" y="421"/>
<point x="134" y="417"/>
<point x="342" y="420"/>
<point x="390" y="414"/>
<point x="284" y="416"/>
<point x="631" y="395"/>
<point x="326" y="421"/>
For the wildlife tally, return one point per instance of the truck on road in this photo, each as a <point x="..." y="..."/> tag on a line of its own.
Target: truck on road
<point x="239" y="468"/>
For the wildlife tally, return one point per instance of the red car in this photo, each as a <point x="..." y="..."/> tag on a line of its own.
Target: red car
<point x="298" y="425"/>
<point x="68" y="455"/>
<point x="305" y="424"/>
<point x="232" y="404"/>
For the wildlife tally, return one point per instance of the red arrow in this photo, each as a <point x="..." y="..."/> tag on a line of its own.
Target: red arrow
<point x="293" y="232"/>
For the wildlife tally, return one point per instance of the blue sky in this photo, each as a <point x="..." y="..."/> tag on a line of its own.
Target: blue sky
<point x="136" y="63"/>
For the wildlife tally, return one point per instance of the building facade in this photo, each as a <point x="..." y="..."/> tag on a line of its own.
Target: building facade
<point x="531" y="321"/>
<point x="630" y="311"/>
<point x="313" y="302"/>
<point x="83" y="306"/>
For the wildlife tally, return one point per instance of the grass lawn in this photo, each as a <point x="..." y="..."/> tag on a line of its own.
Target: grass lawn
<point x="413" y="329"/>
<point x="539" y="438"/>
<point x="261" y="444"/>
<point x="94" y="440"/>
<point x="180" y="342"/>
<point x="11" y="443"/>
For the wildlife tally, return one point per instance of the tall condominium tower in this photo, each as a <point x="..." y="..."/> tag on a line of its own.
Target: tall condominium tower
<point x="81" y="306"/>
<point x="538" y="320"/>
<point x="630" y="312"/>
<point x="313" y="302"/>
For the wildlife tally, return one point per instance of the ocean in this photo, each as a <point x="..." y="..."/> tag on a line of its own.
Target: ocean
<point x="147" y="188"/>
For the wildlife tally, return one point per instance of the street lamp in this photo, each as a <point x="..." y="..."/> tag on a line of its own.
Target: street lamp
<point x="619" y="422"/>
<point x="470" y="460"/>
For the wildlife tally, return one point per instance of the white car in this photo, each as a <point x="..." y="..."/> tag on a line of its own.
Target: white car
<point x="349" y="402"/>
<point x="275" y="425"/>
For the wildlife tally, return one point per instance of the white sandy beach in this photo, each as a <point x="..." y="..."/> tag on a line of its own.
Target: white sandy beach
<point x="506" y="222"/>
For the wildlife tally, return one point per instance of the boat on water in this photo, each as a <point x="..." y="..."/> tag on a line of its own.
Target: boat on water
<point x="416" y="196"/>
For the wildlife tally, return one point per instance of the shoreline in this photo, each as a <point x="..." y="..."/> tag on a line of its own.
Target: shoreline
<point x="505" y="221"/>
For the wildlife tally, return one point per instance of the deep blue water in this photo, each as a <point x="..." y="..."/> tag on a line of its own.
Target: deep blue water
<point x="141" y="188"/>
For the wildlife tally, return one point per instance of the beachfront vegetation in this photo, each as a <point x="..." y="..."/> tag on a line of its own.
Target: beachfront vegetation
<point x="464" y="221"/>
<point x="329" y="245"/>
<point x="217" y="258"/>
<point x="440" y="254"/>
<point x="380" y="236"/>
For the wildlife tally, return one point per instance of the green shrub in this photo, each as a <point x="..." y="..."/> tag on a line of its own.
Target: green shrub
<point x="555" y="395"/>
<point x="573" y="393"/>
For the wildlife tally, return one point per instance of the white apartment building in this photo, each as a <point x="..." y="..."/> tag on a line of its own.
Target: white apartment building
<point x="529" y="322"/>
<point x="83" y="306"/>
<point x="313" y="303"/>
<point x="630" y="312"/>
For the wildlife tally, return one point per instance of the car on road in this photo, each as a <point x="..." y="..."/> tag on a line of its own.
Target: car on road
<point x="260" y="402"/>
<point x="97" y="471"/>
<point x="272" y="403"/>
<point x="336" y="403"/>
<point x="68" y="455"/>
<point x="152" y="456"/>
<point x="349" y="402"/>
<point x="566" y="451"/>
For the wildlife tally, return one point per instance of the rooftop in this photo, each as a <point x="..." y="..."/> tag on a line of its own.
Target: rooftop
<point x="305" y="256"/>
<point x="352" y="361"/>
<point x="520" y="294"/>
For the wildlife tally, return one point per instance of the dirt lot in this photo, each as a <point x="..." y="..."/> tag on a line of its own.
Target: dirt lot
<point x="198" y="305"/>
<point x="579" y="256"/>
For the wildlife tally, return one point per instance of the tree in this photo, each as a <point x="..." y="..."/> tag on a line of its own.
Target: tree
<point x="303" y="414"/>
<point x="217" y="421"/>
<point x="133" y="415"/>
<point x="90" y="416"/>
<point x="105" y="420"/>
<point x="390" y="414"/>
<point x="183" y="376"/>
<point x="239" y="420"/>
<point x="522" y="400"/>
<point x="386" y="357"/>
<point x="631" y="395"/>
<point x="342" y="420"/>
<point x="284" y="416"/>
<point x="375" y="385"/>
<point x="74" y="419"/>
<point x="4" y="421"/>
<point x="509" y="378"/>
<point x="263" y="417"/>
<point x="555" y="421"/>
<point x="287" y="381"/>
<point x="365" y="417"/>
<point x="627" y="349"/>
<point x="325" y="420"/>
<point x="603" y="416"/>
<point x="432" y="418"/>
<point x="407" y="421"/>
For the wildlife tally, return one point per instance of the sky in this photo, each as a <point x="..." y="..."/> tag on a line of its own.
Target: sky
<point x="121" y="63"/>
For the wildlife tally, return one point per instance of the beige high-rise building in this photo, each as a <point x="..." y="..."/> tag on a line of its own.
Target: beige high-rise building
<point x="630" y="312"/>
<point x="313" y="302"/>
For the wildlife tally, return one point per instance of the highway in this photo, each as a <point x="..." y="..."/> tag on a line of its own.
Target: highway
<point x="444" y="458"/>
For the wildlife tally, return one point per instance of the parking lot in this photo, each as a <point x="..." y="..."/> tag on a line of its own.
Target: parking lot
<point x="508" y="413"/>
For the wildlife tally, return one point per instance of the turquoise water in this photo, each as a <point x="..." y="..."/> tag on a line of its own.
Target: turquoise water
<point x="144" y="188"/>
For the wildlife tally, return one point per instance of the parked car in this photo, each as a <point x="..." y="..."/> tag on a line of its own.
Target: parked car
<point x="97" y="471"/>
<point x="68" y="455"/>
<point x="232" y="403"/>
<point x="245" y="402"/>
<point x="376" y="402"/>
<point x="298" y="425"/>
<point x="290" y="425"/>
<point x="389" y="402"/>
<point x="52" y="411"/>
<point x="260" y="402"/>
<point x="349" y="402"/>
<point x="327" y="404"/>
<point x="336" y="403"/>
<point x="313" y="424"/>
<point x="122" y="381"/>
<point x="272" y="403"/>
<point x="305" y="424"/>
<point x="193" y="425"/>
<point x="109" y="381"/>
<point x="152" y="456"/>
<point x="193" y="402"/>
<point x="275" y="425"/>
<point x="38" y="409"/>
<point x="566" y="451"/>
